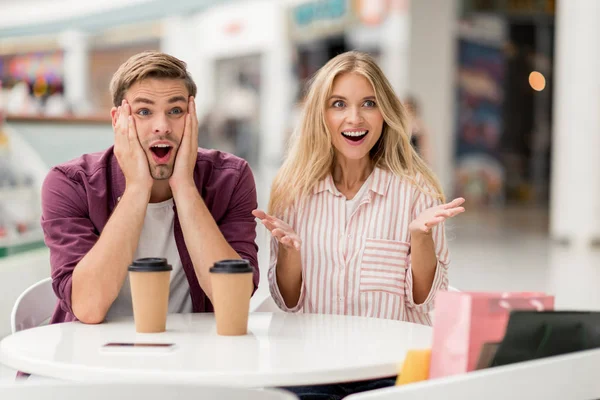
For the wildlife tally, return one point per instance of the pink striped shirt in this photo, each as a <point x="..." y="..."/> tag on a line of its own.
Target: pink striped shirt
<point x="361" y="266"/>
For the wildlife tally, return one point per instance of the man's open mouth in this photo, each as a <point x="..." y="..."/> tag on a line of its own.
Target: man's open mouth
<point x="355" y="136"/>
<point x="161" y="152"/>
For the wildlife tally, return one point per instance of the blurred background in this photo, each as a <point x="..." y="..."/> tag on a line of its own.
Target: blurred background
<point x="505" y="96"/>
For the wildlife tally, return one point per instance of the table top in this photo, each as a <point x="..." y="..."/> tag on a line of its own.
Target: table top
<point x="280" y="349"/>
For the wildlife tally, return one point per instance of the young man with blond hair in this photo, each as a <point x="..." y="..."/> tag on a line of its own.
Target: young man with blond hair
<point x="153" y="194"/>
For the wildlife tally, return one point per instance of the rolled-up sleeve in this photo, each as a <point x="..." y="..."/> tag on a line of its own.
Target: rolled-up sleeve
<point x="419" y="313"/>
<point x="68" y="231"/>
<point x="239" y="225"/>
<point x="289" y="217"/>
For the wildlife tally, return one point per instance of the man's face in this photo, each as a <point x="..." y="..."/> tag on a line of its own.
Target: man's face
<point x="159" y="107"/>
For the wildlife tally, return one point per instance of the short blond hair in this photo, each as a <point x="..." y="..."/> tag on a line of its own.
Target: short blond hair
<point x="148" y="64"/>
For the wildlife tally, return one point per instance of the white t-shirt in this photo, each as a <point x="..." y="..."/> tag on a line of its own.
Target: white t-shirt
<point x="352" y="205"/>
<point x="157" y="240"/>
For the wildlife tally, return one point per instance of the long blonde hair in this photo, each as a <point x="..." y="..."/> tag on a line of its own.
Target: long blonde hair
<point x="311" y="155"/>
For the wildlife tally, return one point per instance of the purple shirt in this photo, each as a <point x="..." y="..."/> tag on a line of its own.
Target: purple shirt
<point x="79" y="196"/>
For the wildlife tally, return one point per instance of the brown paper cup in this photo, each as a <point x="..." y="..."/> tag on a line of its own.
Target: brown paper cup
<point x="150" y="280"/>
<point x="231" y="283"/>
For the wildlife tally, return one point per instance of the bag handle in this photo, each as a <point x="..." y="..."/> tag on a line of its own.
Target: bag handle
<point x="506" y="302"/>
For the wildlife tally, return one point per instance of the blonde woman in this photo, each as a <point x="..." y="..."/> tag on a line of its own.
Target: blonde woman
<point x="355" y="214"/>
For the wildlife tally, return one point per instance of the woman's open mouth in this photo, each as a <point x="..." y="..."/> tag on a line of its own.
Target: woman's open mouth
<point x="161" y="153"/>
<point x="355" y="137"/>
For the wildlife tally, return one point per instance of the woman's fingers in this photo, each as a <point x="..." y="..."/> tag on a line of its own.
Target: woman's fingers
<point x="279" y="229"/>
<point x="450" y="212"/>
<point x="454" y="203"/>
<point x="260" y="214"/>
<point x="434" y="221"/>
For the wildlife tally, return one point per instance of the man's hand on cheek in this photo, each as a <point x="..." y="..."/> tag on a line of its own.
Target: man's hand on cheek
<point x="129" y="152"/>
<point x="187" y="154"/>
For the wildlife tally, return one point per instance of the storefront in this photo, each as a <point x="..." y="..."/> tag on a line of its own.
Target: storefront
<point x="504" y="102"/>
<point x="322" y="29"/>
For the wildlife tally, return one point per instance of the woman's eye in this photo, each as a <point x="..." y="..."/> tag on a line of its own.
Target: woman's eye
<point x="370" y="103"/>
<point x="338" y="104"/>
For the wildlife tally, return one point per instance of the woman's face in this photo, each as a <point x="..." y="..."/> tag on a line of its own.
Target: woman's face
<point x="353" y="117"/>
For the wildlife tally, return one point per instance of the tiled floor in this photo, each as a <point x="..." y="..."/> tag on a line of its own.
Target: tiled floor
<point x="504" y="251"/>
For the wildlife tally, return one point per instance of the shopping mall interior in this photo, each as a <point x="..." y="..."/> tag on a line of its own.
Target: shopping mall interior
<point x="502" y="94"/>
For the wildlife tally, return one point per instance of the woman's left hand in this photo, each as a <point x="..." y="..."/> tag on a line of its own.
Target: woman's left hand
<point x="436" y="215"/>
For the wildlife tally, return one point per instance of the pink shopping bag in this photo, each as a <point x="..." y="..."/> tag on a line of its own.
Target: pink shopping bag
<point x="464" y="321"/>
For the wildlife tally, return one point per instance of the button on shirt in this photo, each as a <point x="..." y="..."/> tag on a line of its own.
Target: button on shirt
<point x="361" y="265"/>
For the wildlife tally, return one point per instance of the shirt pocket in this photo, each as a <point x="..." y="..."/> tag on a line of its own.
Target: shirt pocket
<point x="383" y="266"/>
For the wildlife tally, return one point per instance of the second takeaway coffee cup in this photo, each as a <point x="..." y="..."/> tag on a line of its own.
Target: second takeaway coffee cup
<point x="150" y="281"/>
<point x="231" y="283"/>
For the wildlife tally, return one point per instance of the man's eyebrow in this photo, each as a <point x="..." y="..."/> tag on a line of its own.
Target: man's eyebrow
<point x="142" y="100"/>
<point x="177" y="99"/>
<point x="174" y="99"/>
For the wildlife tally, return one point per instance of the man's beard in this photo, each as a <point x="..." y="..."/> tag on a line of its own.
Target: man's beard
<point x="161" y="172"/>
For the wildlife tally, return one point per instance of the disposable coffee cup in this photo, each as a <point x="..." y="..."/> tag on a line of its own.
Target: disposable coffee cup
<point x="150" y="280"/>
<point x="231" y="283"/>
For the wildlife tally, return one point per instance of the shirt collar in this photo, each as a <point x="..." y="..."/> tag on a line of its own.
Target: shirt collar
<point x="380" y="182"/>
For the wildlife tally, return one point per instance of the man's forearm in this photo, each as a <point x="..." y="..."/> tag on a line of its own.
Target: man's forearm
<point x="99" y="276"/>
<point x="424" y="263"/>
<point x="203" y="238"/>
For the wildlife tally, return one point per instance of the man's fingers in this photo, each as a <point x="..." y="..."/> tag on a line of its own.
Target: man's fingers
<point x="119" y="123"/>
<point x="123" y="118"/>
<point x="194" y="118"/>
<point x="131" y="134"/>
<point x="121" y="132"/>
<point x="192" y="107"/>
<point x="186" y="128"/>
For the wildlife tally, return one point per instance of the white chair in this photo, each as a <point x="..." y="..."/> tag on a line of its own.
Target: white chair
<point x="569" y="376"/>
<point x="34" y="306"/>
<point x="128" y="391"/>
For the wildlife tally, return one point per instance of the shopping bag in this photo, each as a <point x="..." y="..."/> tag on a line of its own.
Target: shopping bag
<point x="464" y="321"/>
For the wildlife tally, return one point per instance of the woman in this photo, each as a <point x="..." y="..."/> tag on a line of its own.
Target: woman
<point x="355" y="214"/>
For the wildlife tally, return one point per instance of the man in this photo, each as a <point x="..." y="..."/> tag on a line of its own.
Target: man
<point x="153" y="194"/>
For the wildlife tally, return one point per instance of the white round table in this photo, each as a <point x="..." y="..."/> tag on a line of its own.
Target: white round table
<point x="280" y="350"/>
